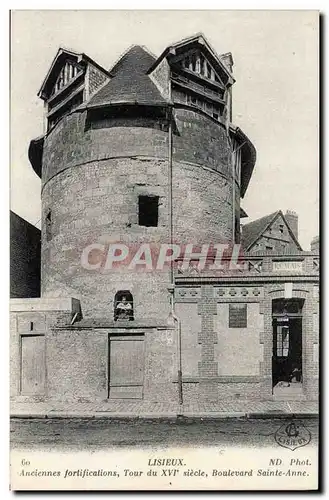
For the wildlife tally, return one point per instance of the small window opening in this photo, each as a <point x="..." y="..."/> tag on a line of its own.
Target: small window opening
<point x="49" y="228"/>
<point x="238" y="316"/>
<point x="268" y="247"/>
<point x="31" y="326"/>
<point x="281" y="227"/>
<point x="215" y="115"/>
<point x="123" y="306"/>
<point x="148" y="211"/>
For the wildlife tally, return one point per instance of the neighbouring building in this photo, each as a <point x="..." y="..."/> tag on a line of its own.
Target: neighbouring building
<point x="146" y="153"/>
<point x="25" y="249"/>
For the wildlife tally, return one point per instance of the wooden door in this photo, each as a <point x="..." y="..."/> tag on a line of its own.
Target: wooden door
<point x="32" y="364"/>
<point x="126" y="370"/>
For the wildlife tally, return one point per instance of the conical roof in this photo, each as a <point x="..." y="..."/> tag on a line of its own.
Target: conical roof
<point x="130" y="83"/>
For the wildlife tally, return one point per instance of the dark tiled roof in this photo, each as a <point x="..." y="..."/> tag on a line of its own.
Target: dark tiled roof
<point x="251" y="231"/>
<point x="130" y="82"/>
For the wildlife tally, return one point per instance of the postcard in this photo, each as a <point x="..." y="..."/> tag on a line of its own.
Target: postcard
<point x="164" y="271"/>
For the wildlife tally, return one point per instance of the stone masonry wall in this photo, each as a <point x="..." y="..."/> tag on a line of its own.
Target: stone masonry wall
<point x="96" y="201"/>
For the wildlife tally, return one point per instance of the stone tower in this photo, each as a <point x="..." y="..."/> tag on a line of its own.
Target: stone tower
<point x="143" y="153"/>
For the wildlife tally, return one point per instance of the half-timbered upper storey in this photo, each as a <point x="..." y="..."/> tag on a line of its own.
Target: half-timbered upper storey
<point x="71" y="80"/>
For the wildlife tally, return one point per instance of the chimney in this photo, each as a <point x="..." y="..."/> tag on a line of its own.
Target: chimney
<point x="292" y="219"/>
<point x="315" y="244"/>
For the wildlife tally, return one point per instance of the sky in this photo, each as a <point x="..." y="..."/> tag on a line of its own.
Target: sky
<point x="275" y="97"/>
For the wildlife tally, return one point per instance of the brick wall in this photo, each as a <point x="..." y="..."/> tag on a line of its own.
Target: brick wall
<point x="24" y="258"/>
<point x="237" y="349"/>
<point x="218" y="361"/>
<point x="236" y="363"/>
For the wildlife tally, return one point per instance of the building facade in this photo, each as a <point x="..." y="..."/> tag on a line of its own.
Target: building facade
<point x="141" y="156"/>
<point x="25" y="250"/>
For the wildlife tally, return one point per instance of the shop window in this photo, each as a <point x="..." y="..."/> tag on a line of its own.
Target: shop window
<point x="123" y="306"/>
<point x="148" y="211"/>
<point x="237" y="315"/>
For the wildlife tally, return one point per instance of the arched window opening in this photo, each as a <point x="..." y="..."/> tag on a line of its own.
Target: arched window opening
<point x="123" y="306"/>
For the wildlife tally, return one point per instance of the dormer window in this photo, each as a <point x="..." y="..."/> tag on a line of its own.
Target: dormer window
<point x="68" y="72"/>
<point x="197" y="63"/>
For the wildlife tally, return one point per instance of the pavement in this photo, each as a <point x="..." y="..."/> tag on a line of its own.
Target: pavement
<point x="142" y="409"/>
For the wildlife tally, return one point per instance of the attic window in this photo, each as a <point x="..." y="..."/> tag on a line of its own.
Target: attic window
<point x="281" y="227"/>
<point x="148" y="211"/>
<point x="68" y="72"/>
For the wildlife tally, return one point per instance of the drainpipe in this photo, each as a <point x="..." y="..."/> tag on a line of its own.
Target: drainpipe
<point x="172" y="281"/>
<point x="234" y="151"/>
<point x="233" y="196"/>
<point x="179" y="350"/>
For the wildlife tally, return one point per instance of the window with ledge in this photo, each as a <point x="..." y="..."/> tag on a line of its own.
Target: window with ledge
<point x="237" y="315"/>
<point x="148" y="211"/>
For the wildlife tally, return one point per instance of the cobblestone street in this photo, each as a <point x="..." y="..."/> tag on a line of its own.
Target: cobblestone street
<point x="96" y="434"/>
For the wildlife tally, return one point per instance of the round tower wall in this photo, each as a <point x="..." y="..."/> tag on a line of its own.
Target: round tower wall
<point x="92" y="181"/>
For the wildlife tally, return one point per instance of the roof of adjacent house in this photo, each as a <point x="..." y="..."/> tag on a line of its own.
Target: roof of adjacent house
<point x="130" y="83"/>
<point x="253" y="231"/>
